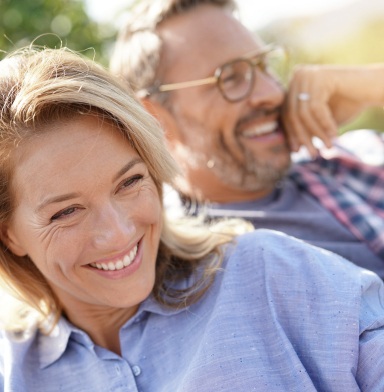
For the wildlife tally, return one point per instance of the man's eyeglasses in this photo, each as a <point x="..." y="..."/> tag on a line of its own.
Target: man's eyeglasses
<point x="235" y="79"/>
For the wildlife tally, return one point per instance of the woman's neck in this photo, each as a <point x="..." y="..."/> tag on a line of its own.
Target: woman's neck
<point x="102" y="324"/>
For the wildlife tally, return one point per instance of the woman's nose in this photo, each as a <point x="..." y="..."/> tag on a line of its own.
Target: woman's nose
<point x="112" y="228"/>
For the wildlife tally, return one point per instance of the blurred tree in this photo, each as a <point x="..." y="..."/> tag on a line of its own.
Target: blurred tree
<point x="361" y="46"/>
<point x="65" y="21"/>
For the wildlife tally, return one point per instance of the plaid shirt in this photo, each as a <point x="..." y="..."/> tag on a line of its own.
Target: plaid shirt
<point x="351" y="190"/>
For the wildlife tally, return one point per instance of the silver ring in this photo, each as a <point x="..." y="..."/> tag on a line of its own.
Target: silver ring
<point x="303" y="97"/>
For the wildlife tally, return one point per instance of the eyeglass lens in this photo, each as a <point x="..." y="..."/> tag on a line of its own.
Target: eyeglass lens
<point x="236" y="79"/>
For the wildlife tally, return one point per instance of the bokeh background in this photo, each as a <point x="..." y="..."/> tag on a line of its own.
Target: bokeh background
<point x="313" y="31"/>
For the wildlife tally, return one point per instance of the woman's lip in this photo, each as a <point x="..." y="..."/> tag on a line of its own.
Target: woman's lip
<point x="119" y="263"/>
<point x="125" y="271"/>
<point x="118" y="257"/>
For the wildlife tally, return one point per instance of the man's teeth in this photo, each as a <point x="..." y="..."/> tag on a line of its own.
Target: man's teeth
<point x="119" y="264"/>
<point x="260" y="130"/>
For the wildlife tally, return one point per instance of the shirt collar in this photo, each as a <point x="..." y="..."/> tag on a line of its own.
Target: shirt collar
<point x="152" y="306"/>
<point x="53" y="345"/>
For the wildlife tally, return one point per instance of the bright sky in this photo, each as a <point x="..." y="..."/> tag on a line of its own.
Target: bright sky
<point x="253" y="13"/>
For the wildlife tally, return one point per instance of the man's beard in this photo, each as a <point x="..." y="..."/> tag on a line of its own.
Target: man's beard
<point x="251" y="175"/>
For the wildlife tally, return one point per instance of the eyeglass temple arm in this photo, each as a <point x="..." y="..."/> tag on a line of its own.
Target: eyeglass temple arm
<point x="175" y="86"/>
<point x="192" y="83"/>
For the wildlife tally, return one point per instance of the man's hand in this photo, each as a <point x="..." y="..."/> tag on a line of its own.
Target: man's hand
<point x="322" y="97"/>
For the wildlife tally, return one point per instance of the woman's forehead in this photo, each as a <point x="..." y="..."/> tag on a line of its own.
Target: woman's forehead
<point x="75" y="148"/>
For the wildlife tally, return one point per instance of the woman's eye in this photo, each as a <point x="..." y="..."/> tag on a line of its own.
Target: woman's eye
<point x="131" y="181"/>
<point x="64" y="213"/>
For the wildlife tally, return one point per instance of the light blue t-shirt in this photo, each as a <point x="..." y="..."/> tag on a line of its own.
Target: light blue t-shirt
<point x="280" y="316"/>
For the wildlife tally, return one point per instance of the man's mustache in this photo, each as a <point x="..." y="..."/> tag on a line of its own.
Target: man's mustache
<point x="258" y="113"/>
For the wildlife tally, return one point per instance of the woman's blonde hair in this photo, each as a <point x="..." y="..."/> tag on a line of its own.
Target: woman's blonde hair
<point x="39" y="87"/>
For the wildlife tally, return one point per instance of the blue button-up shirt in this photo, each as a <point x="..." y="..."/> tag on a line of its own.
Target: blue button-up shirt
<point x="280" y="316"/>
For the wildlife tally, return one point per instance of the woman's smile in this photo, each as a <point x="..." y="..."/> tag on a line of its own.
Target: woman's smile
<point x="118" y="264"/>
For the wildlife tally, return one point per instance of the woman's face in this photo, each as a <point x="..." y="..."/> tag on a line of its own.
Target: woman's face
<point x="87" y="214"/>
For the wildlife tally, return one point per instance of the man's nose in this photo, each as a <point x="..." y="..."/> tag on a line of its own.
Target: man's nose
<point x="112" y="228"/>
<point x="267" y="91"/>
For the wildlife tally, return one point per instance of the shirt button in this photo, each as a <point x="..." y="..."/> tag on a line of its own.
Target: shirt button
<point x="136" y="370"/>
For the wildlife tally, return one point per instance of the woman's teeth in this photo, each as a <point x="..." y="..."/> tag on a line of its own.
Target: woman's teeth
<point x="119" y="264"/>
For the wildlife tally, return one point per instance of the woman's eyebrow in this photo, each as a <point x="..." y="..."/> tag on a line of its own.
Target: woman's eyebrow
<point x="56" y="199"/>
<point x="127" y="167"/>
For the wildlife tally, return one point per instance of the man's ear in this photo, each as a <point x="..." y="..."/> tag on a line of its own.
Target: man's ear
<point x="166" y="120"/>
<point x="11" y="241"/>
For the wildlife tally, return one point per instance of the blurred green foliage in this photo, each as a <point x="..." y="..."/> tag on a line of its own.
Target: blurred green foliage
<point x="362" y="45"/>
<point x="52" y="23"/>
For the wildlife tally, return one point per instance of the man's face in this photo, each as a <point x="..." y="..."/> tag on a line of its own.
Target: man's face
<point x="228" y="151"/>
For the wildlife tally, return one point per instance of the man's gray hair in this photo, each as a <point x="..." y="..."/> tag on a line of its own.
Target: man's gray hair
<point x="138" y="49"/>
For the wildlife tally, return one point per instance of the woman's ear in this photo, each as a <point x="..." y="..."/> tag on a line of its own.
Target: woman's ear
<point x="10" y="240"/>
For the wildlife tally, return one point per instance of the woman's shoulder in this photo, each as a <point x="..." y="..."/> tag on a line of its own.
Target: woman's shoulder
<point x="271" y="243"/>
<point x="277" y="256"/>
<point x="290" y="275"/>
<point x="16" y="343"/>
<point x="18" y="337"/>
